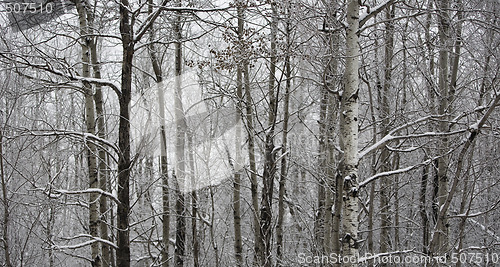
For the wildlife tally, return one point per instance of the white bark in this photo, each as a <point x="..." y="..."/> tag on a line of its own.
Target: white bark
<point x="349" y="135"/>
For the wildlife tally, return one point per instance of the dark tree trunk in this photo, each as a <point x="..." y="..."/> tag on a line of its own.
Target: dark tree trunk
<point x="124" y="163"/>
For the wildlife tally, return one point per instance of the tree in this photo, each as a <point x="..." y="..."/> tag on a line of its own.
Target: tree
<point x="181" y="128"/>
<point x="349" y="136"/>
<point x="238" y="243"/>
<point x="163" y="146"/>
<point x="91" y="127"/>
<point x="387" y="140"/>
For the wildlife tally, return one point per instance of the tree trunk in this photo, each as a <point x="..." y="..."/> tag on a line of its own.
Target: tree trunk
<point x="266" y="213"/>
<point x="349" y="135"/>
<point x="373" y="171"/>
<point x="423" y="209"/>
<point x="163" y="147"/>
<point x="212" y="231"/>
<point x="319" y="221"/>
<point x="465" y="206"/>
<point x="385" y="186"/>
<point x="124" y="162"/>
<point x="90" y="125"/>
<point x="440" y="246"/>
<point x="254" y="188"/>
<point x="6" y="218"/>
<point x="180" y="170"/>
<point x="194" y="202"/>
<point x="238" y="244"/>
<point x="103" y="158"/>
<point x="334" y="190"/>
<point x="333" y="200"/>
<point x="284" y="144"/>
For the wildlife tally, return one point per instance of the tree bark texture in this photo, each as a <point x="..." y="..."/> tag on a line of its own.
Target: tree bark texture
<point x="90" y="125"/>
<point x="440" y="241"/>
<point x="385" y="163"/>
<point x="349" y="135"/>
<point x="124" y="161"/>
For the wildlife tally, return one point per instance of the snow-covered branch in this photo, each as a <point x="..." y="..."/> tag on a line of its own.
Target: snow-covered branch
<point x="146" y="25"/>
<point x="56" y="193"/>
<point x="393" y="172"/>
<point x="84" y="135"/>
<point x="372" y="12"/>
<point x="86" y="191"/>
<point x="194" y="9"/>
<point x="84" y="244"/>
<point x="49" y="69"/>
<point x="390" y="137"/>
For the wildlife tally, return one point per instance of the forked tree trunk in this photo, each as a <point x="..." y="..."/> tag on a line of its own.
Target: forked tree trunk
<point x="349" y="135"/>
<point x="266" y="214"/>
<point x="254" y="185"/>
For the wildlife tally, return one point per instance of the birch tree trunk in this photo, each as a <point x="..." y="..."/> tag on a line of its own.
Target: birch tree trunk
<point x="349" y="136"/>
<point x="90" y="125"/>
<point x="103" y="157"/>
